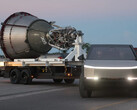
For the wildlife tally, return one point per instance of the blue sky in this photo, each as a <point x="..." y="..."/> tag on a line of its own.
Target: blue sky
<point x="101" y="21"/>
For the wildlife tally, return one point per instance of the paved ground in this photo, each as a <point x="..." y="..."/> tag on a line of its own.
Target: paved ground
<point x="45" y="95"/>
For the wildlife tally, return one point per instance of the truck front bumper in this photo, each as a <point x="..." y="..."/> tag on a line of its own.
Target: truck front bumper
<point x="110" y="84"/>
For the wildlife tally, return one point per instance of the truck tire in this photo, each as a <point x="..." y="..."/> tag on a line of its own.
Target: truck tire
<point x="57" y="80"/>
<point x="1" y="73"/>
<point x="26" y="76"/>
<point x="84" y="93"/>
<point x="15" y="76"/>
<point x="69" y="81"/>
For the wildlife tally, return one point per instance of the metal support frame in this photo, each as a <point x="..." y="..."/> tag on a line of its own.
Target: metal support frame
<point x="78" y="51"/>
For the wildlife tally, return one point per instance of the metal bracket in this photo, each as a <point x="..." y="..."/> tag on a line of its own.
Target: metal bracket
<point x="78" y="51"/>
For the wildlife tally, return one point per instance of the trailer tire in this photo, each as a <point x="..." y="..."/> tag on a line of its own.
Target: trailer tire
<point x="84" y="93"/>
<point x="57" y="80"/>
<point x="1" y="73"/>
<point x="26" y="76"/>
<point x="69" y="81"/>
<point x="15" y="76"/>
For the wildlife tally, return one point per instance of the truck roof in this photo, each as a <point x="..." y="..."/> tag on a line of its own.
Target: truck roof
<point x="111" y="45"/>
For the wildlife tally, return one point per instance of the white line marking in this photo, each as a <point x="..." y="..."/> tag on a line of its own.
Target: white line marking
<point x="28" y="94"/>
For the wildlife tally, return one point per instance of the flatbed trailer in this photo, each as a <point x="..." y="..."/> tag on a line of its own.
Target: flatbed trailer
<point x="24" y="70"/>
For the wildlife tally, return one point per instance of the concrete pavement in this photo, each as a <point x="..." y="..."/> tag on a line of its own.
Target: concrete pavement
<point x="45" y="95"/>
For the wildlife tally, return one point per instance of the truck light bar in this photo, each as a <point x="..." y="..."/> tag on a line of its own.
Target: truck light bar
<point x="94" y="78"/>
<point x="92" y="67"/>
<point x="131" y="78"/>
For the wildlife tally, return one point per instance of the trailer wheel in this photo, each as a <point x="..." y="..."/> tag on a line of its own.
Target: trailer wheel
<point x="1" y="73"/>
<point x="57" y="80"/>
<point x="69" y="81"/>
<point x="84" y="93"/>
<point x="26" y="76"/>
<point x="15" y="76"/>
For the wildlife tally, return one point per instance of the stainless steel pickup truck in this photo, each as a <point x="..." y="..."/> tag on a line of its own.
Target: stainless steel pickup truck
<point x="109" y="66"/>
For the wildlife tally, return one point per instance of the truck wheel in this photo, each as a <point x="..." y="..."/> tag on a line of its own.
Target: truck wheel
<point x="57" y="80"/>
<point x="15" y="76"/>
<point x="69" y="81"/>
<point x="135" y="95"/>
<point x="26" y="76"/>
<point x="1" y="73"/>
<point x="84" y="93"/>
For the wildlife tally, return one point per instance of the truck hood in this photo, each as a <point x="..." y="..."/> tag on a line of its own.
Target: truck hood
<point x="111" y="64"/>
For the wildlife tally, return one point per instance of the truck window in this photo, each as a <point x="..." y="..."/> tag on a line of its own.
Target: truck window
<point x="107" y="52"/>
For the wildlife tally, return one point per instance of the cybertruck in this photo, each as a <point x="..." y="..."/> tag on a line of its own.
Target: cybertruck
<point x="109" y="67"/>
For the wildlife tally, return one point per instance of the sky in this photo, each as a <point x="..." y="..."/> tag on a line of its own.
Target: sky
<point x="101" y="21"/>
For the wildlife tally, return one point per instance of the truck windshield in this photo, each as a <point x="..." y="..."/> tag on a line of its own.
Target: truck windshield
<point x="113" y="52"/>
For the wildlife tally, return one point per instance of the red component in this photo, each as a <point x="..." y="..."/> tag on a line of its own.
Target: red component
<point x="60" y="57"/>
<point x="135" y="50"/>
